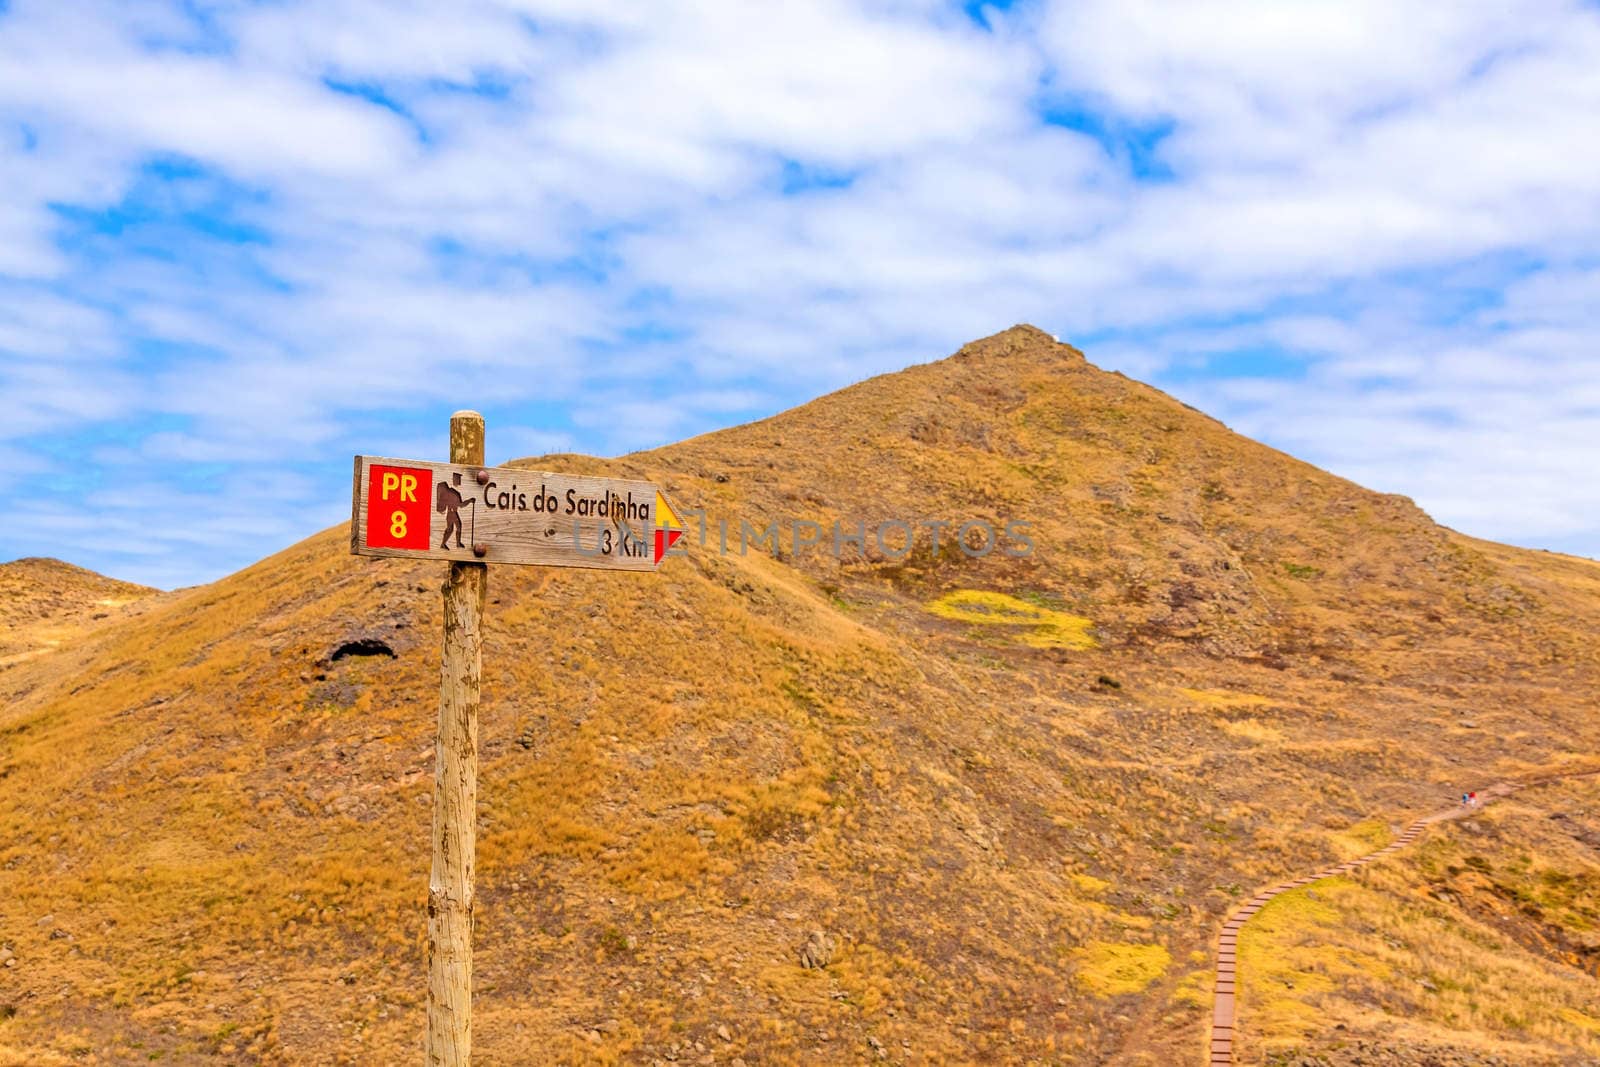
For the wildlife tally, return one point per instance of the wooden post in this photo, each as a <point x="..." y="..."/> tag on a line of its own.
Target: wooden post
<point x="455" y="793"/>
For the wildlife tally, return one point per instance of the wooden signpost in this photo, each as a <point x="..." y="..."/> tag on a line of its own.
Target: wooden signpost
<point x="473" y="515"/>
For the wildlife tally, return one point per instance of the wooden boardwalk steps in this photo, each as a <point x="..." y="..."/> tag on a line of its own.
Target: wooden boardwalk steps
<point x="1224" y="1001"/>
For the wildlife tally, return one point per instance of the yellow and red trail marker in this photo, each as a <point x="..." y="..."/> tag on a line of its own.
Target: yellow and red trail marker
<point x="669" y="528"/>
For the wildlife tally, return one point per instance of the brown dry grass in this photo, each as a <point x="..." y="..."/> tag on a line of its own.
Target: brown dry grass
<point x="45" y="603"/>
<point x="685" y="772"/>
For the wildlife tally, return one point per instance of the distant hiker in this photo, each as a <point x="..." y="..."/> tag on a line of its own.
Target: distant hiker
<point x="448" y="501"/>
<point x="1466" y="798"/>
<point x="1472" y="798"/>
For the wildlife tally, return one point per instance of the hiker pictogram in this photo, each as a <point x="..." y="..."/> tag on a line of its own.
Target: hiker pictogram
<point x="448" y="500"/>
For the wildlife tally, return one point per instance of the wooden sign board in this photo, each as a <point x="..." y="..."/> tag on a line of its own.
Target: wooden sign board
<point x="416" y="509"/>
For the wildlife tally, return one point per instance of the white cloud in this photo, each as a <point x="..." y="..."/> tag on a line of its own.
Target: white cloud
<point x="580" y="207"/>
<point x="59" y="67"/>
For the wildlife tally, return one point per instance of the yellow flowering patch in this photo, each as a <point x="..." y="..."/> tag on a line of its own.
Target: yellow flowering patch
<point x="1579" y="1019"/>
<point x="1037" y="626"/>
<point x="1366" y="836"/>
<point x="1090" y="884"/>
<point x="1109" y="969"/>
<point x="1223" y="698"/>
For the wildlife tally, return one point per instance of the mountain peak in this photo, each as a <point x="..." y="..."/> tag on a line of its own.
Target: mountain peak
<point x="1021" y="339"/>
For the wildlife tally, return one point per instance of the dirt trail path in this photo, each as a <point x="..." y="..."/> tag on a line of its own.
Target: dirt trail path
<point x="1224" y="1004"/>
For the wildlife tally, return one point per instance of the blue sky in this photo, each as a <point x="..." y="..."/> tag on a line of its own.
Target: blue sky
<point x="240" y="242"/>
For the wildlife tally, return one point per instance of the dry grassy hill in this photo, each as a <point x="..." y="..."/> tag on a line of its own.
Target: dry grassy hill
<point x="1018" y="792"/>
<point x="45" y="603"/>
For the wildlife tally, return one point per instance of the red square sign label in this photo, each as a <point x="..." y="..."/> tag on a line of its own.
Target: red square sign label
<point x="397" y="507"/>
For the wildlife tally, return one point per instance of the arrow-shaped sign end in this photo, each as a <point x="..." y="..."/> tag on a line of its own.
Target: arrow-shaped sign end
<point x="669" y="528"/>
